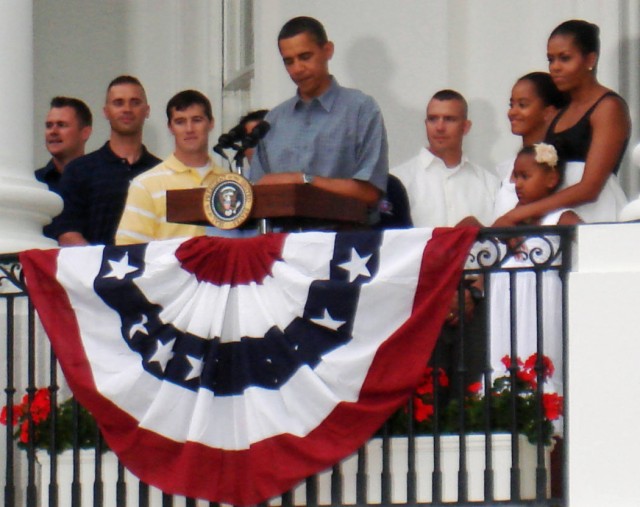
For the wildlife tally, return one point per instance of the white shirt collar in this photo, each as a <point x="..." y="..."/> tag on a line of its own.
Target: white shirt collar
<point x="427" y="158"/>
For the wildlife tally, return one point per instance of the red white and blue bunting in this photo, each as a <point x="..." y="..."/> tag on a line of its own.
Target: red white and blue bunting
<point x="231" y="369"/>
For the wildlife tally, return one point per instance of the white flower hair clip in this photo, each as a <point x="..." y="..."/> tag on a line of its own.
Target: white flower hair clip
<point x="546" y="154"/>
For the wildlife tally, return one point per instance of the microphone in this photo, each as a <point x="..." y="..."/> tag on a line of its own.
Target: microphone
<point x="218" y="149"/>
<point x="236" y="139"/>
<point x="229" y="140"/>
<point x="259" y="131"/>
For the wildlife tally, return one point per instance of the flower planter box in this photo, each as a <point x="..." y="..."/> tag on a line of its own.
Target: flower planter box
<point x="349" y="467"/>
<point x="424" y="467"/>
<point x="87" y="479"/>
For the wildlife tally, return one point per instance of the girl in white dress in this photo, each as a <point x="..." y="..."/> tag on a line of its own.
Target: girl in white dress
<point x="537" y="175"/>
<point x="534" y="103"/>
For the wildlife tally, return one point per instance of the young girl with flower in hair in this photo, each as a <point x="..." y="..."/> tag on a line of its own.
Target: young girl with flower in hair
<point x="537" y="173"/>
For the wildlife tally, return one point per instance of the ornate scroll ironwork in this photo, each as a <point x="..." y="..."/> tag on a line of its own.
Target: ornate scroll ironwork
<point x="524" y="248"/>
<point x="11" y="276"/>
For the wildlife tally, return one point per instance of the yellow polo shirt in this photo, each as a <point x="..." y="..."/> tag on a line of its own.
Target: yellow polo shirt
<point x="145" y="214"/>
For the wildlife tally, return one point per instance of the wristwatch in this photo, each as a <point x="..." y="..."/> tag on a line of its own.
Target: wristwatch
<point x="307" y="178"/>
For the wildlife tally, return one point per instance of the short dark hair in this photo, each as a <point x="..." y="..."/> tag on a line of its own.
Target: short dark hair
<point x="252" y="116"/>
<point x="125" y="79"/>
<point x="187" y="98"/>
<point x="546" y="89"/>
<point x="304" y="24"/>
<point x="85" y="119"/>
<point x="448" y="94"/>
<point x="585" y="35"/>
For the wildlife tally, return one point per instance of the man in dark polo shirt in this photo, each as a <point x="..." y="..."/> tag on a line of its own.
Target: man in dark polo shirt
<point x="94" y="187"/>
<point x="67" y="129"/>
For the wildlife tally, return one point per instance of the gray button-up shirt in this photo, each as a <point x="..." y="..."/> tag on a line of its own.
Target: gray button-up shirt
<point x="340" y="134"/>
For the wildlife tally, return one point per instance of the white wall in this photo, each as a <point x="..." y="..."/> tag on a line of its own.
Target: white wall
<point x="604" y="377"/>
<point x="81" y="45"/>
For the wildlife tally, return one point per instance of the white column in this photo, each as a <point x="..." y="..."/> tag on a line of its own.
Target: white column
<point x="25" y="204"/>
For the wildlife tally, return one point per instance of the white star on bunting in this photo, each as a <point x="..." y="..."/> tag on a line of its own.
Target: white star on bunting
<point x="121" y="268"/>
<point x="196" y="367"/>
<point x="139" y="327"/>
<point x="356" y="265"/>
<point x="328" y="321"/>
<point x="163" y="353"/>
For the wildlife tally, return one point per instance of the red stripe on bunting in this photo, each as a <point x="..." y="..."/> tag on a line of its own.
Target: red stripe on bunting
<point x="58" y="318"/>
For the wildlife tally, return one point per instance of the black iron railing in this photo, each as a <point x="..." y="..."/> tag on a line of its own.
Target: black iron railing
<point x="401" y="465"/>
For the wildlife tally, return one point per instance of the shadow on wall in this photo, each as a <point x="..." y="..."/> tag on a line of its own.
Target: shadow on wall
<point x="629" y="78"/>
<point x="481" y="140"/>
<point x="76" y="56"/>
<point x="372" y="69"/>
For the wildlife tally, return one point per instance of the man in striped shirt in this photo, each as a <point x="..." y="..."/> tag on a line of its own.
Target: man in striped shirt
<point x="190" y="121"/>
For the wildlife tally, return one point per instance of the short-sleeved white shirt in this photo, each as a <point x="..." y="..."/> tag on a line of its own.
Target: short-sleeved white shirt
<point x="440" y="196"/>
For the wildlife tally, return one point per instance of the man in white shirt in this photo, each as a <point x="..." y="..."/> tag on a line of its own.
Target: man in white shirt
<point x="444" y="188"/>
<point x="442" y="185"/>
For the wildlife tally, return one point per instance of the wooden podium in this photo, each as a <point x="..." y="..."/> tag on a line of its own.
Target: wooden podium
<point x="290" y="206"/>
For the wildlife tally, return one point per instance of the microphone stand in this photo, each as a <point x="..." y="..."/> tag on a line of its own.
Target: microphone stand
<point x="263" y="224"/>
<point x="239" y="161"/>
<point x="220" y="151"/>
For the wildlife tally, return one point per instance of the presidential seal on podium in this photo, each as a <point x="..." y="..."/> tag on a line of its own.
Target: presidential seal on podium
<point x="228" y="200"/>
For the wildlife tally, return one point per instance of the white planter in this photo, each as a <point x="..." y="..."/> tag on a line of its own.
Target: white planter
<point x="87" y="477"/>
<point x="398" y="463"/>
<point x="450" y="457"/>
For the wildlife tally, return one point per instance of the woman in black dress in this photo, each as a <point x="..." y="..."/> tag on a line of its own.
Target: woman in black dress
<point x="592" y="129"/>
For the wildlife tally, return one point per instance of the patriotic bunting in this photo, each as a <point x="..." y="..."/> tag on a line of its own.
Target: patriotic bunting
<point x="231" y="369"/>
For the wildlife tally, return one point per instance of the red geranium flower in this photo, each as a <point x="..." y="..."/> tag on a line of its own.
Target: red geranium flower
<point x="528" y="376"/>
<point x="17" y="414"/>
<point x="552" y="403"/>
<point x="547" y="365"/>
<point x="41" y="405"/>
<point x="442" y="378"/>
<point x="506" y="360"/>
<point x="474" y="388"/>
<point x="24" y="432"/>
<point x="426" y="386"/>
<point x="421" y="410"/>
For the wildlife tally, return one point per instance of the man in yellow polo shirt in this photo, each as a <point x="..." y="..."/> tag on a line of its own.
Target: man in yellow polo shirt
<point x="190" y="121"/>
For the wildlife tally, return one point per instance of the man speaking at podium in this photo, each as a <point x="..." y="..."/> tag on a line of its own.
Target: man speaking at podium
<point x="327" y="135"/>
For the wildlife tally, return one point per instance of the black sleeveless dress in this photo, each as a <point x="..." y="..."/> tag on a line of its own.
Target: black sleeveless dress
<point x="573" y="145"/>
<point x="574" y="142"/>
